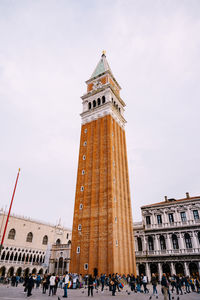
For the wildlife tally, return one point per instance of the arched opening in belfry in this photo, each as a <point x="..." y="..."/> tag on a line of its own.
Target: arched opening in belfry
<point x="103" y="99"/>
<point x="94" y="103"/>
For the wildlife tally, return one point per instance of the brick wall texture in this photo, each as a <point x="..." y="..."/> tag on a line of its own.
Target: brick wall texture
<point x="106" y="236"/>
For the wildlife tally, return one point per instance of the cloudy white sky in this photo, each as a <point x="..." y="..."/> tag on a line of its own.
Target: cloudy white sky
<point x="47" y="51"/>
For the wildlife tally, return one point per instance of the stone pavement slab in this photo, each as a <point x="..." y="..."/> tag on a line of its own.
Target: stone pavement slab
<point x="11" y="293"/>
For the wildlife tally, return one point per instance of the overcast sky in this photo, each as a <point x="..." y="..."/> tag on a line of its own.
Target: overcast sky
<point x="47" y="51"/>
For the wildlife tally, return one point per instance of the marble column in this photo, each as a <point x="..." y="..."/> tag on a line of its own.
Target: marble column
<point x="137" y="269"/>
<point x="159" y="271"/>
<point x="156" y="244"/>
<point x="148" y="273"/>
<point x="168" y="242"/>
<point x="173" y="271"/>
<point x="181" y="242"/>
<point x="199" y="267"/>
<point x="187" y="272"/>
<point x="194" y="241"/>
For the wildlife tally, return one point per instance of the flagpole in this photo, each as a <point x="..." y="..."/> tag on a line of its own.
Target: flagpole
<point x="4" y="232"/>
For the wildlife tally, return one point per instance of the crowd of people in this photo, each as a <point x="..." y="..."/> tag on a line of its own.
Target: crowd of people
<point x="113" y="282"/>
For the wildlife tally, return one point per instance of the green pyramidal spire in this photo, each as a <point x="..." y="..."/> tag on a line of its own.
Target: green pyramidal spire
<point x="102" y="66"/>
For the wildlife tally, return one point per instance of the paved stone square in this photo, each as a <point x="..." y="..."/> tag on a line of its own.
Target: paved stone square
<point x="9" y="293"/>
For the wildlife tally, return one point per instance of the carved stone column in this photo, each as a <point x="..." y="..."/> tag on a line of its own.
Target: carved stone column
<point x="157" y="248"/>
<point x="173" y="268"/>
<point x="159" y="271"/>
<point x="187" y="272"/>
<point x="137" y="269"/>
<point x="148" y="273"/>
<point x="181" y="241"/>
<point x="168" y="242"/>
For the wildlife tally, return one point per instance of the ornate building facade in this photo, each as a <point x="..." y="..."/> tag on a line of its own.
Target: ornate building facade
<point x="168" y="238"/>
<point x="102" y="236"/>
<point x="28" y="243"/>
<point x="60" y="258"/>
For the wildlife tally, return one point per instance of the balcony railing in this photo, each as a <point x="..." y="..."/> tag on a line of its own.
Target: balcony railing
<point x="21" y="263"/>
<point x="167" y="252"/>
<point x="173" y="224"/>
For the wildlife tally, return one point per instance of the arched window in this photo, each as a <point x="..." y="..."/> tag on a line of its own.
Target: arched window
<point x="103" y="99"/>
<point x="89" y="105"/>
<point x="41" y="259"/>
<point x="45" y="240"/>
<point x="58" y="242"/>
<point x="60" y="262"/>
<point x="29" y="237"/>
<point x="67" y="236"/>
<point x="188" y="241"/>
<point x="150" y="243"/>
<point x="69" y="243"/>
<point x="175" y="242"/>
<point x="94" y="103"/>
<point x="199" y="236"/>
<point x="139" y="241"/>
<point x="162" y="243"/>
<point x="99" y="101"/>
<point x="11" y="235"/>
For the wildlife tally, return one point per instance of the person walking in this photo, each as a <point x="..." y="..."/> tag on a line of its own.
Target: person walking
<point x="132" y="282"/>
<point x="165" y="286"/>
<point x="154" y="282"/>
<point x="30" y="285"/>
<point x="90" y="285"/>
<point x="102" y="279"/>
<point x="52" y="284"/>
<point x="66" y="282"/>
<point x="144" y="282"/>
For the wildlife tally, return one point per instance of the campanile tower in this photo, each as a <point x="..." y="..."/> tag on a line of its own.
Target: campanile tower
<point x="102" y="235"/>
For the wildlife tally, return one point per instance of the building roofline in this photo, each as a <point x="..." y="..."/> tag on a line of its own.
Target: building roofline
<point x="34" y="220"/>
<point x="167" y="202"/>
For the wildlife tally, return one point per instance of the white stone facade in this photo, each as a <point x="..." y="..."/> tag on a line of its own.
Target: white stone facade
<point x="168" y="238"/>
<point x="60" y="258"/>
<point x="27" y="245"/>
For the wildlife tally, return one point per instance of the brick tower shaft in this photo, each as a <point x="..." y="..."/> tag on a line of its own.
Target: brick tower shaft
<point x="102" y="236"/>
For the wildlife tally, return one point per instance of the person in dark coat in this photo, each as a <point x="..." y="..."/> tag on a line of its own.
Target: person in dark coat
<point x="90" y="285"/>
<point x="132" y="282"/>
<point x="30" y="285"/>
